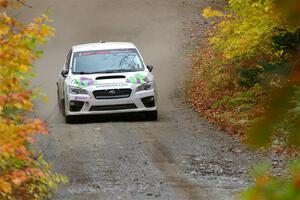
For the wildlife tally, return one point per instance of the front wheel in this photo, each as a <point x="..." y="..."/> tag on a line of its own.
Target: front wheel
<point x="59" y="101"/>
<point x="152" y="115"/>
<point x="69" y="119"/>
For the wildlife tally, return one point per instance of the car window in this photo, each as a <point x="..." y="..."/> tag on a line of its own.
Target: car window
<point x="107" y="61"/>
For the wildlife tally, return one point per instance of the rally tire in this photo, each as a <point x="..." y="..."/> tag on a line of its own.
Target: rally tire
<point x="69" y="119"/>
<point x="59" y="102"/>
<point x="152" y="115"/>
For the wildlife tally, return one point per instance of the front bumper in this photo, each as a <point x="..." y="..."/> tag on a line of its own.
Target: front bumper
<point x="89" y="105"/>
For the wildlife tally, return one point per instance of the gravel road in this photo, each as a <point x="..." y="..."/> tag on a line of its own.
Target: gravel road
<point x="123" y="157"/>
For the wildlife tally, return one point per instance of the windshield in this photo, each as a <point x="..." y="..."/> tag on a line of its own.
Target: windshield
<point x="107" y="61"/>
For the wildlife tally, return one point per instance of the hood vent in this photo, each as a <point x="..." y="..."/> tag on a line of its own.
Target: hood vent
<point x="110" y="77"/>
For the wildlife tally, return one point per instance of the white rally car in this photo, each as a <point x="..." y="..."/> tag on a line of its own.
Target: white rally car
<point x="106" y="78"/>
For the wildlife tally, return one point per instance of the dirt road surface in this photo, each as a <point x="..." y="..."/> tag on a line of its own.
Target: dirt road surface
<point x="178" y="157"/>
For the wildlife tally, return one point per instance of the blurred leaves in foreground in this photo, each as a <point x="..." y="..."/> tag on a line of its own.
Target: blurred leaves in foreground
<point x="23" y="174"/>
<point x="284" y="101"/>
<point x="269" y="187"/>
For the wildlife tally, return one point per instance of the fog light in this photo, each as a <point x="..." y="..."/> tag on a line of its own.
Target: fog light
<point x="148" y="101"/>
<point x="151" y="98"/>
<point x="75" y="106"/>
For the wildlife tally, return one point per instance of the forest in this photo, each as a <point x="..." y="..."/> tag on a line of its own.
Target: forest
<point x="246" y="75"/>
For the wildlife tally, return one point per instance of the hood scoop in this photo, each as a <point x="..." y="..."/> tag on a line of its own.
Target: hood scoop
<point x="110" y="77"/>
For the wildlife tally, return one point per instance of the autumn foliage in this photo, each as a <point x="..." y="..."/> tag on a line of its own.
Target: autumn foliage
<point x="245" y="59"/>
<point x="268" y="187"/>
<point x="23" y="175"/>
<point x="246" y="79"/>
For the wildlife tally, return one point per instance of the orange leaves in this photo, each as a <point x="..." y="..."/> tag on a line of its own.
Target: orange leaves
<point x="3" y="3"/>
<point x="291" y="10"/>
<point x="5" y="186"/>
<point x="13" y="101"/>
<point x="262" y="180"/>
<point x="297" y="184"/>
<point x="39" y="30"/>
<point x="33" y="126"/>
<point x="18" y="177"/>
<point x="22" y="175"/>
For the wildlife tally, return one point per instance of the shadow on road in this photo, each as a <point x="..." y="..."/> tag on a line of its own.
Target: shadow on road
<point x="120" y="117"/>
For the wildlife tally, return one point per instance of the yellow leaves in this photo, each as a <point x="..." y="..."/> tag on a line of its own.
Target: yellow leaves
<point x="18" y="106"/>
<point x="248" y="25"/>
<point x="209" y="12"/>
<point x="5" y="186"/>
<point x="23" y="68"/>
<point x="19" y="48"/>
<point x="41" y="28"/>
<point x="4" y="30"/>
<point x="8" y="20"/>
<point x="46" y="18"/>
<point x="222" y="24"/>
<point x="45" y="98"/>
<point x="267" y="9"/>
<point x="244" y="39"/>
<point x="214" y="40"/>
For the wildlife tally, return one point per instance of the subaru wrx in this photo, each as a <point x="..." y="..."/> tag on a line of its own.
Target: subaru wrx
<point x="106" y="78"/>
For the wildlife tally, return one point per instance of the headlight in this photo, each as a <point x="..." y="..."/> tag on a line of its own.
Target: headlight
<point x="145" y="86"/>
<point x="76" y="90"/>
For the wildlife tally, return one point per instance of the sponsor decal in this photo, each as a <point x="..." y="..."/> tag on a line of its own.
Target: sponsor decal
<point x="138" y="78"/>
<point x="104" y="52"/>
<point x="81" y="98"/>
<point x="89" y="53"/>
<point x="83" y="82"/>
<point x="99" y="85"/>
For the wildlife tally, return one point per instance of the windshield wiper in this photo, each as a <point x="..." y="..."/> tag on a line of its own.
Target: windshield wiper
<point x="107" y="71"/>
<point x="83" y="72"/>
<point x="117" y="70"/>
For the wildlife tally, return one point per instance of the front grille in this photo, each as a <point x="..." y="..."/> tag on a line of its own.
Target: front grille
<point x="113" y="107"/>
<point x="112" y="94"/>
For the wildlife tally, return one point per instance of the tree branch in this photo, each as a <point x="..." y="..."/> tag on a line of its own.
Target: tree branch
<point x="24" y="4"/>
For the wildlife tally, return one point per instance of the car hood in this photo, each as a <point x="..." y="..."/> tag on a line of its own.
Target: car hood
<point x="128" y="79"/>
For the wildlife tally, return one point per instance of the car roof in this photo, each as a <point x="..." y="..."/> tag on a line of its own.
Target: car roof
<point x="103" y="46"/>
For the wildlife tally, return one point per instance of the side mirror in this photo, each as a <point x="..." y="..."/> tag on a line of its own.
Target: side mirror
<point x="150" y="68"/>
<point x="64" y="73"/>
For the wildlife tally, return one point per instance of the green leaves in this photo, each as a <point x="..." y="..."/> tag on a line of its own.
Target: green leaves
<point x="270" y="187"/>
